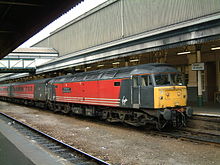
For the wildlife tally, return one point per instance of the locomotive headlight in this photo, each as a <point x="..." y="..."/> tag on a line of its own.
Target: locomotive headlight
<point x="178" y="93"/>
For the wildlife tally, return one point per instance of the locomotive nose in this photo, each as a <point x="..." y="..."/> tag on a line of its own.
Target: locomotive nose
<point x="171" y="96"/>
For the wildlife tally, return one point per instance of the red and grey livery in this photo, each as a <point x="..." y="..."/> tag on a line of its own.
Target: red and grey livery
<point x="136" y="95"/>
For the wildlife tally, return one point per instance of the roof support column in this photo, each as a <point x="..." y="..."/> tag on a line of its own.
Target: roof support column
<point x="199" y="78"/>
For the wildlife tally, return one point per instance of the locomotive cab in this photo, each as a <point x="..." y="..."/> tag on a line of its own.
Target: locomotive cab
<point x="162" y="94"/>
<point x="157" y="91"/>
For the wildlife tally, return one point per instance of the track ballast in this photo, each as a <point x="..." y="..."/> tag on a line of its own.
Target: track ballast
<point x="55" y="146"/>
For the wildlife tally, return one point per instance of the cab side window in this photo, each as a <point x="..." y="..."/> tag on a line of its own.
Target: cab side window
<point x="146" y="81"/>
<point x="150" y="82"/>
<point x="135" y="81"/>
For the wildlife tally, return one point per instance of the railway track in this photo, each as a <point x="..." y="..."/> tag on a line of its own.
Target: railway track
<point x="195" y="136"/>
<point x="189" y="134"/>
<point x="210" y="119"/>
<point x="55" y="146"/>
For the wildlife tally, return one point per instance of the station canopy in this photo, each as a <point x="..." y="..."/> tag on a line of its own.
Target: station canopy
<point x="21" y="19"/>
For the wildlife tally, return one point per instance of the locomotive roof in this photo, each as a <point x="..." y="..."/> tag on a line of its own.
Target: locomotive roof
<point x="115" y="73"/>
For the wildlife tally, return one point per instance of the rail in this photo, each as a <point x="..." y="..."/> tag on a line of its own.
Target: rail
<point x="195" y="136"/>
<point x="71" y="154"/>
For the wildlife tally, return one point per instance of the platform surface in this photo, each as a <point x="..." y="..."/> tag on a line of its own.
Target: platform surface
<point x="207" y="110"/>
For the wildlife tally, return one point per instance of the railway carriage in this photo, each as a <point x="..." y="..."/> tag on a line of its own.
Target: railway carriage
<point x="30" y="93"/>
<point x="23" y="91"/>
<point x="4" y="91"/>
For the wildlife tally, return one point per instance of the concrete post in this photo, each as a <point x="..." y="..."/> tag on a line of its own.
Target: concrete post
<point x="126" y="63"/>
<point x="199" y="78"/>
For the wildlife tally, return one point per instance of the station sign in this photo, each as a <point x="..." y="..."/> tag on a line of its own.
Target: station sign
<point x="198" y="66"/>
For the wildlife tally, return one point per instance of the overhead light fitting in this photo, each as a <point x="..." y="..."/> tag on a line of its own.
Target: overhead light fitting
<point x="77" y="69"/>
<point x="100" y="65"/>
<point x="88" y="67"/>
<point x="182" y="53"/>
<point x="134" y="60"/>
<point x="215" y="48"/>
<point x="115" y="63"/>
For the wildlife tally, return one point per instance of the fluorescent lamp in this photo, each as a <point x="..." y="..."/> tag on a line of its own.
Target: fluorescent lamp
<point x="134" y="60"/>
<point x="182" y="53"/>
<point x="77" y="69"/>
<point x="115" y="63"/>
<point x="216" y="48"/>
<point x="100" y="65"/>
<point x="88" y="67"/>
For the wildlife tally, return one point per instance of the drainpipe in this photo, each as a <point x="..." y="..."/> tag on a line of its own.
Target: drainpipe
<point x="199" y="77"/>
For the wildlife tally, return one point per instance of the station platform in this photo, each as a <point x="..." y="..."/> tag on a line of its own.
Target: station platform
<point x="207" y="110"/>
<point x="16" y="149"/>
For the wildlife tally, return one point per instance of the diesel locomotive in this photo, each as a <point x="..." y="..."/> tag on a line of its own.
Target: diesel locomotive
<point x="136" y="95"/>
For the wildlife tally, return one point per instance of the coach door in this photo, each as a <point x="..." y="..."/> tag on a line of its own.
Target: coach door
<point x="135" y="92"/>
<point x="51" y="92"/>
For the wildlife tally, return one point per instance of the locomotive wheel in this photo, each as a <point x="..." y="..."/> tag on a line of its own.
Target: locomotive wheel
<point x="161" y="123"/>
<point x="66" y="109"/>
<point x="181" y="120"/>
<point x="50" y="106"/>
<point x="58" y="108"/>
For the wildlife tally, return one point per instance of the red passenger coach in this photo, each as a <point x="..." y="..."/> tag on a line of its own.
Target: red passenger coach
<point x="102" y="92"/>
<point x="23" y="91"/>
<point x="4" y="91"/>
